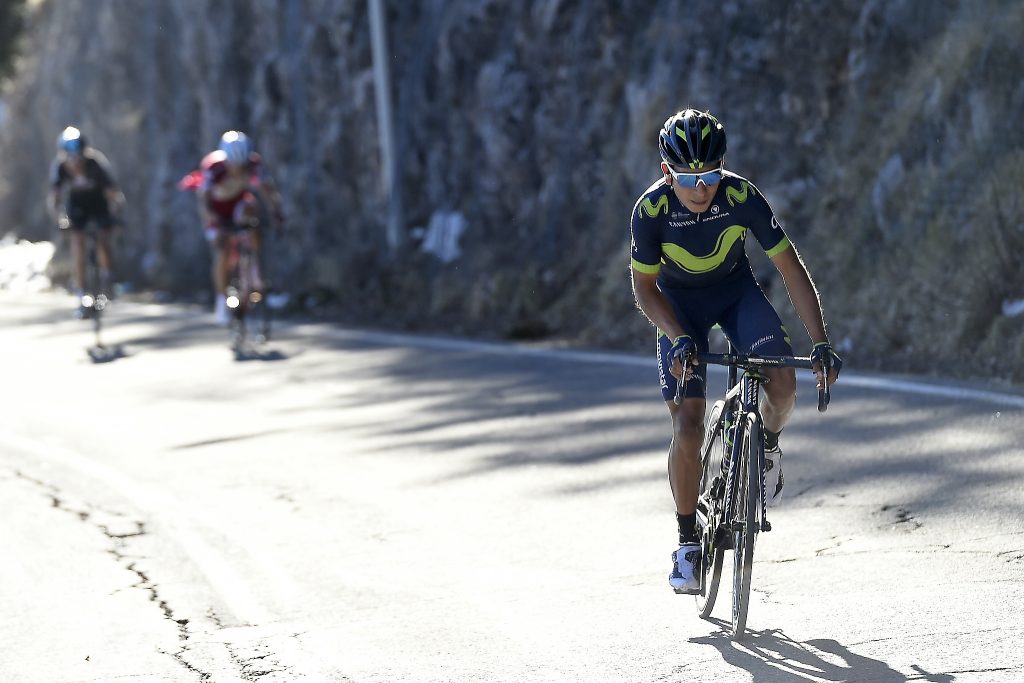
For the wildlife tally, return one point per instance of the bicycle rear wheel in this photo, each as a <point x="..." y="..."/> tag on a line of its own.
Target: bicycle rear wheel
<point x="260" y="316"/>
<point x="95" y="294"/>
<point x="709" y="512"/>
<point x="745" y="523"/>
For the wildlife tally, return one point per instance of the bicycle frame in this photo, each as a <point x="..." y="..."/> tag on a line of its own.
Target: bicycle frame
<point x="246" y="288"/>
<point x="745" y="397"/>
<point x="94" y="299"/>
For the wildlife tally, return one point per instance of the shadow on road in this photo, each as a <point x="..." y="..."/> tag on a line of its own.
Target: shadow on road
<point x="248" y="354"/>
<point x="548" y="410"/>
<point x="771" y="656"/>
<point x="106" y="354"/>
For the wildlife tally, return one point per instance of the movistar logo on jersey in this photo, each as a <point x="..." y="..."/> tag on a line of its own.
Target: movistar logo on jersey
<point x="652" y="209"/>
<point x="738" y="196"/>
<point x="705" y="264"/>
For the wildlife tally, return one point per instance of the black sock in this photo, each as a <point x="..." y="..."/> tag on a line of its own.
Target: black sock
<point x="687" y="528"/>
<point x="771" y="439"/>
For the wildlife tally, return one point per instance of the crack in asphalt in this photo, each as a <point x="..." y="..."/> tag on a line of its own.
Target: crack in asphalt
<point x="250" y="668"/>
<point x="1015" y="555"/>
<point x="119" y="540"/>
<point x="247" y="665"/>
<point x="904" y="636"/>
<point x="930" y="675"/>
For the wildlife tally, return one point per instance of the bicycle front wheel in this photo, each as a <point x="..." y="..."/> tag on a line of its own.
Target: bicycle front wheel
<point x="709" y="503"/>
<point x="744" y="527"/>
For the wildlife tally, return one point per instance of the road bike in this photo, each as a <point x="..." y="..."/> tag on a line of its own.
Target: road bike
<point x="95" y="294"/>
<point x="246" y="293"/>
<point x="731" y="500"/>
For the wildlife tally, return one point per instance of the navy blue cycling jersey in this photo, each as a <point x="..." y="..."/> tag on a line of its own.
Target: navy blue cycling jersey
<point x="689" y="250"/>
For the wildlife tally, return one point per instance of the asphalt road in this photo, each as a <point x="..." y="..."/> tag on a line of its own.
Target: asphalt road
<point x="361" y="506"/>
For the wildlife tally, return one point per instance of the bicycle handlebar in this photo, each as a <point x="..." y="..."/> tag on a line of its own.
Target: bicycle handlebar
<point x="753" y="362"/>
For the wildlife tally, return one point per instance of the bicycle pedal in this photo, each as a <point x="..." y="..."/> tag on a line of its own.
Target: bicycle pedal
<point x="766" y="525"/>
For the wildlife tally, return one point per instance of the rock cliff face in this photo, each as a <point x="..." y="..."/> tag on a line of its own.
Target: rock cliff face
<point x="885" y="134"/>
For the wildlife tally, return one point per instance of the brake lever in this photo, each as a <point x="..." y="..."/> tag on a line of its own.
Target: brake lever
<point x="824" y="395"/>
<point x="682" y="382"/>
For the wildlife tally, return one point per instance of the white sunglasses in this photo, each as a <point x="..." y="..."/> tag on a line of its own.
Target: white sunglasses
<point x="690" y="180"/>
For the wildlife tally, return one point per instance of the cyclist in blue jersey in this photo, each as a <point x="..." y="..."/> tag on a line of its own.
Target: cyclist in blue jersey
<point x="690" y="272"/>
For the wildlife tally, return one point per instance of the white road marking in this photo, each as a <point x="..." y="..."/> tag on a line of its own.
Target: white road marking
<point x="849" y="378"/>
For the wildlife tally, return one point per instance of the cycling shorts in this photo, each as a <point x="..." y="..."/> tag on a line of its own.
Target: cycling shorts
<point x="743" y="312"/>
<point x="93" y="211"/>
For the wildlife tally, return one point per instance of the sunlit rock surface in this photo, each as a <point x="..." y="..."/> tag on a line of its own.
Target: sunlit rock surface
<point x="535" y="122"/>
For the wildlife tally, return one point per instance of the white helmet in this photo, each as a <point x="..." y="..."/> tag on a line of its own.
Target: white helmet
<point x="236" y="147"/>
<point x="71" y="141"/>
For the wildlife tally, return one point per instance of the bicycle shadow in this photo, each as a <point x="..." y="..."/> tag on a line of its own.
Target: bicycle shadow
<point x="256" y="354"/>
<point x="771" y="655"/>
<point x="106" y="354"/>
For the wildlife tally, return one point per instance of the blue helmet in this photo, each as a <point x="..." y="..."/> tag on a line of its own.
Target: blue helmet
<point x="71" y="141"/>
<point x="236" y="147"/>
<point x="691" y="138"/>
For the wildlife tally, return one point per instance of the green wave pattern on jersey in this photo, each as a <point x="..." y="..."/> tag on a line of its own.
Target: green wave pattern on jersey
<point x="705" y="264"/>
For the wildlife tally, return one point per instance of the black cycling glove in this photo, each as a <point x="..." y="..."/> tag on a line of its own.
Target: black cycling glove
<point x="825" y="355"/>
<point x="682" y="347"/>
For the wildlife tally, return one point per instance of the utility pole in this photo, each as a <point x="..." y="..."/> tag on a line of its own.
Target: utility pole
<point x="385" y="124"/>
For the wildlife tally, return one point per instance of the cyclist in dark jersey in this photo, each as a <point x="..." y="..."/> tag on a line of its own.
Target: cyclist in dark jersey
<point x="81" y="175"/>
<point x="690" y="272"/>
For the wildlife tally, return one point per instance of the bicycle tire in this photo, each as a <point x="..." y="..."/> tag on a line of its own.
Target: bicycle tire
<point x="712" y="553"/>
<point x="92" y="286"/>
<point x="261" y="314"/>
<point x="745" y="524"/>
<point x="240" y="288"/>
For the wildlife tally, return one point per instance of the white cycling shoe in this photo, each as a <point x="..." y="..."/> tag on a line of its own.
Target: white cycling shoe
<point x="685" y="576"/>
<point x="773" y="479"/>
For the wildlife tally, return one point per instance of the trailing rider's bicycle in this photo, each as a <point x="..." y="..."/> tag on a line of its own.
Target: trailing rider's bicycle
<point x="731" y="500"/>
<point x="245" y="296"/>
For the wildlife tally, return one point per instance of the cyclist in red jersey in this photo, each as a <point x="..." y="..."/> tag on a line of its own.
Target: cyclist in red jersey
<point x="230" y="183"/>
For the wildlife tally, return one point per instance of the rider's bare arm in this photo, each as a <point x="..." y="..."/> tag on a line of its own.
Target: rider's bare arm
<point x="802" y="292"/>
<point x="53" y="203"/>
<point x="654" y="304"/>
<point x="271" y="198"/>
<point x="207" y="216"/>
<point x="804" y="296"/>
<point x="115" y="199"/>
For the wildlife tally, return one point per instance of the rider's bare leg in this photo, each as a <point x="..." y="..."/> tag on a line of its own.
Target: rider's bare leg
<point x="684" y="452"/>
<point x="779" y="398"/>
<point x="220" y="268"/>
<point x="78" y="260"/>
<point x="103" y="260"/>
<point x="248" y="214"/>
